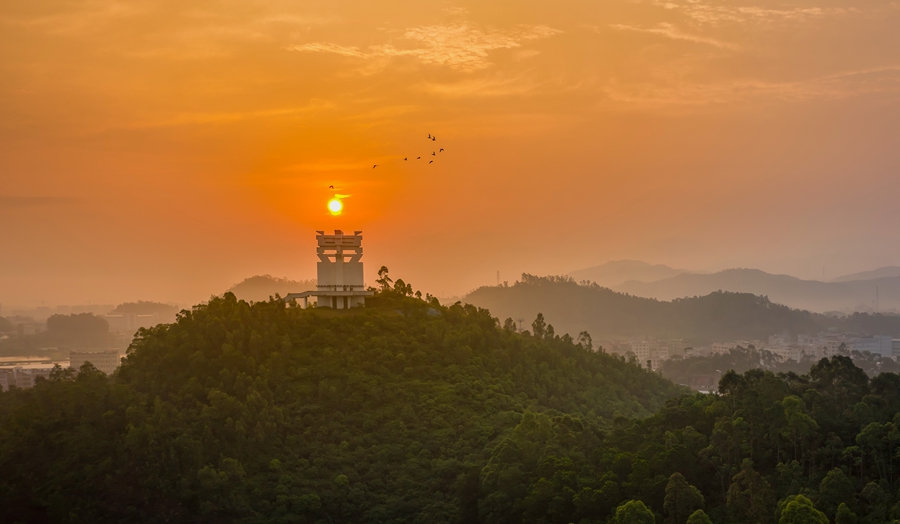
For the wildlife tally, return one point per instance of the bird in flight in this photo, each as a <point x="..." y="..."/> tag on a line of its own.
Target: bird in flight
<point x="418" y="158"/>
<point x="431" y="161"/>
<point x="433" y="138"/>
<point x="330" y="187"/>
<point x="441" y="151"/>
<point x="429" y="135"/>
<point x="404" y="158"/>
<point x="433" y="154"/>
<point x="376" y="165"/>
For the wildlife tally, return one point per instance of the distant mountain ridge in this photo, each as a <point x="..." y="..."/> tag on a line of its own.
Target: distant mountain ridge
<point x="717" y="316"/>
<point x="812" y="295"/>
<point x="618" y="272"/>
<point x="571" y="308"/>
<point x="882" y="272"/>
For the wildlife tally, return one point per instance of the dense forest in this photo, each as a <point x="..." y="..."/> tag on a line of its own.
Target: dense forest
<point x="266" y="412"/>
<point x="410" y="412"/>
<point x="717" y="317"/>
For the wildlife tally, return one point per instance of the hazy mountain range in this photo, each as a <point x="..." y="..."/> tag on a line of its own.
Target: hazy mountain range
<point x="717" y="316"/>
<point x="882" y="272"/>
<point x="855" y="292"/>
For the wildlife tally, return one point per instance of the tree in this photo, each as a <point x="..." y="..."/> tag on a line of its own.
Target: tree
<point x="835" y="490"/>
<point x="383" y="279"/>
<point x="585" y="341"/>
<point x="539" y="326"/>
<point x="798" y="509"/>
<point x="633" y="512"/>
<point x="875" y="503"/>
<point x="699" y="517"/>
<point x="800" y="426"/>
<point x="844" y="515"/>
<point x="748" y="496"/>
<point x="681" y="500"/>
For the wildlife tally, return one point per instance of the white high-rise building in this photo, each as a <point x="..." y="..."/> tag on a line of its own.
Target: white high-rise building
<point x="340" y="272"/>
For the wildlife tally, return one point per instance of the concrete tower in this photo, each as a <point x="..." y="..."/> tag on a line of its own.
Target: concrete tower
<point x="340" y="272"/>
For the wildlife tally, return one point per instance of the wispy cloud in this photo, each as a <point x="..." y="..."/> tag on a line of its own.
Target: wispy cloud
<point x="325" y="47"/>
<point x="462" y="46"/>
<point x="668" y="30"/>
<point x="711" y="13"/>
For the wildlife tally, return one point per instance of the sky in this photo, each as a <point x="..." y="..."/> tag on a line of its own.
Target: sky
<point x="164" y="150"/>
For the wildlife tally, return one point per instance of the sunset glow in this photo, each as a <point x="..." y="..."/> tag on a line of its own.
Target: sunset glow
<point x="699" y="134"/>
<point x="335" y="206"/>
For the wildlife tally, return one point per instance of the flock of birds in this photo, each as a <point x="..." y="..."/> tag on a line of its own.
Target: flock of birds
<point x="431" y="137"/>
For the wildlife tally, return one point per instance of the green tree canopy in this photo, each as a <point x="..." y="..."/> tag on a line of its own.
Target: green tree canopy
<point x="798" y="509"/>
<point x="681" y="500"/>
<point x="634" y="512"/>
<point x="699" y="517"/>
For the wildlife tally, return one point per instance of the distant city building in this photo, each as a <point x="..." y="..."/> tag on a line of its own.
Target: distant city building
<point x="24" y="376"/>
<point x="877" y="345"/>
<point x="339" y="272"/>
<point x="105" y="361"/>
<point x="649" y="353"/>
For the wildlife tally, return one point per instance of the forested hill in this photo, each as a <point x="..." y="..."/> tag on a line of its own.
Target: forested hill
<point x="571" y="308"/>
<point x="399" y="412"/>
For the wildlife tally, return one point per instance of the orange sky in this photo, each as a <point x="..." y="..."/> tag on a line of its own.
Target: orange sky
<point x="164" y="150"/>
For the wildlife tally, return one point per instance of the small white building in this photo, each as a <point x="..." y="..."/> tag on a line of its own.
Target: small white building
<point x="341" y="284"/>
<point x="105" y="361"/>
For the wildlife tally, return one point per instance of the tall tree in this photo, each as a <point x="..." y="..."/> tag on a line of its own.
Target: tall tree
<point x="681" y="500"/>
<point x="748" y="496"/>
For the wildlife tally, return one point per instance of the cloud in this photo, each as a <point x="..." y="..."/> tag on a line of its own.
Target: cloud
<point x="324" y="47"/>
<point x="460" y="46"/>
<point x="670" y="31"/>
<point x="708" y="13"/>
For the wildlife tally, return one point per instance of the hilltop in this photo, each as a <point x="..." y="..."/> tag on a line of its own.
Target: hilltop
<point x="618" y="272"/>
<point x="265" y="412"/>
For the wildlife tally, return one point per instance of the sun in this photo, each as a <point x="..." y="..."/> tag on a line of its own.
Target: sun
<point x="335" y="206"/>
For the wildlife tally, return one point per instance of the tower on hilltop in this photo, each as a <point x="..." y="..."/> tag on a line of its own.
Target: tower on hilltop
<point x="340" y="272"/>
